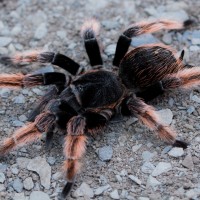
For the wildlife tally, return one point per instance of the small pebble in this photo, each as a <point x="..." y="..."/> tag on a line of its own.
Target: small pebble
<point x="176" y="152"/>
<point x="114" y="194"/>
<point x="162" y="167"/>
<point x="105" y="153"/>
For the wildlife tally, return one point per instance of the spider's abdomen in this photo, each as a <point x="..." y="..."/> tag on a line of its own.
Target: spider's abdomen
<point x="146" y="65"/>
<point x="97" y="89"/>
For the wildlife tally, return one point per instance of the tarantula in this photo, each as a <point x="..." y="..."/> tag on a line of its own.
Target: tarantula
<point x="84" y="103"/>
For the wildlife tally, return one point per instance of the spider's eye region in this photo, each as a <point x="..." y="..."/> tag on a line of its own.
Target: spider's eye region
<point x="80" y="88"/>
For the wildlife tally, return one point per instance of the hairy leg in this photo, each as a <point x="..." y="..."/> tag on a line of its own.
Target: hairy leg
<point x="89" y="31"/>
<point x="140" y="28"/>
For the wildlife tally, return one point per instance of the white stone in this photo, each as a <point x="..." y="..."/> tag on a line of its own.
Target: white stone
<point x="22" y="162"/>
<point x="101" y="189"/>
<point x="40" y="166"/>
<point x="153" y="182"/>
<point x="4" y="41"/>
<point x="196" y="98"/>
<point x="135" y="179"/>
<point x="136" y="147"/>
<point x="38" y="195"/>
<point x="166" y="116"/>
<point x="41" y="31"/>
<point x="2" y="177"/>
<point x="20" y="196"/>
<point x="84" y="191"/>
<point x="28" y="183"/>
<point x="114" y="194"/>
<point x="147" y="168"/>
<point x="162" y="167"/>
<point x="176" y="152"/>
<point x="110" y="49"/>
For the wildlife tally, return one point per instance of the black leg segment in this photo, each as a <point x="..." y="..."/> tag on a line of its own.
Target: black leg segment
<point x="121" y="49"/>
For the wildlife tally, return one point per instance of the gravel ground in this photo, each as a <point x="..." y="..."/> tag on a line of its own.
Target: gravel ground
<point x="126" y="162"/>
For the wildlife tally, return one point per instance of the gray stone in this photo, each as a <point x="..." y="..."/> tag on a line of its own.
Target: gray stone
<point x="2" y="177"/>
<point x="22" y="162"/>
<point x="57" y="176"/>
<point x="196" y="98"/>
<point x="20" y="196"/>
<point x="22" y="118"/>
<point x="110" y="24"/>
<point x="114" y="194"/>
<point x="195" y="41"/>
<point x="144" y="39"/>
<point x="14" y="170"/>
<point x="105" y="153"/>
<point x="19" y="99"/>
<point x="190" y="110"/>
<point x="194" y="48"/>
<point x="17" y="185"/>
<point x="162" y="167"/>
<point x="166" y="116"/>
<point x="3" y="167"/>
<point x="17" y="123"/>
<point x="61" y="34"/>
<point x="110" y="49"/>
<point x="166" y="149"/>
<point x="38" y="91"/>
<point x="40" y="166"/>
<point x="167" y="38"/>
<point x="147" y="168"/>
<point x="2" y="188"/>
<point x="143" y="198"/>
<point x="41" y="31"/>
<point x="131" y="121"/>
<point x="16" y="29"/>
<point x="28" y="183"/>
<point x="38" y="195"/>
<point x="4" y="41"/>
<point x="44" y="70"/>
<point x="147" y="156"/>
<point x="51" y="160"/>
<point x="176" y="152"/>
<point x="153" y="182"/>
<point x="101" y="189"/>
<point x="135" y="179"/>
<point x="84" y="191"/>
<point x="4" y="92"/>
<point x="193" y="193"/>
<point x="136" y="147"/>
<point x="188" y="162"/>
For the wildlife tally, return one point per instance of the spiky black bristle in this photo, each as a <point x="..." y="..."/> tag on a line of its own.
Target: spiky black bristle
<point x="181" y="144"/>
<point x="188" y="22"/>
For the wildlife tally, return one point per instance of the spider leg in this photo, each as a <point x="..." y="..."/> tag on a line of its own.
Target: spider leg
<point x="186" y="79"/>
<point x="44" y="57"/>
<point x="150" y="118"/>
<point x="89" y="31"/>
<point x="75" y="142"/>
<point x="137" y="29"/>
<point x="20" y="80"/>
<point x="28" y="133"/>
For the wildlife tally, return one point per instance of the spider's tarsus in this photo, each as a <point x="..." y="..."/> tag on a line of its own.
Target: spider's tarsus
<point x="66" y="190"/>
<point x="188" y="22"/>
<point x="179" y="143"/>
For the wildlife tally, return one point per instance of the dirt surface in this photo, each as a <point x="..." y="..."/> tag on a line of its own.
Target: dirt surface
<point x="133" y="149"/>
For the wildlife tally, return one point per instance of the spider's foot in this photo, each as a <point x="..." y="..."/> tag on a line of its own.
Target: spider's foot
<point x="188" y="22"/>
<point x="66" y="191"/>
<point x="180" y="144"/>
